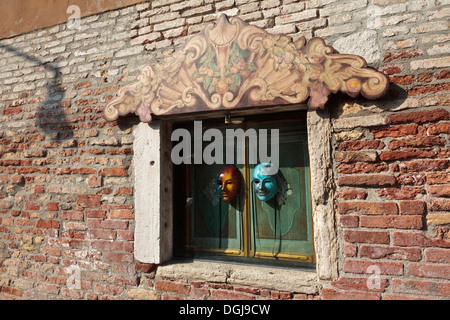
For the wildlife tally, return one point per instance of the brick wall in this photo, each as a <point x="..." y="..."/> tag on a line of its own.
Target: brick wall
<point x="66" y="184"/>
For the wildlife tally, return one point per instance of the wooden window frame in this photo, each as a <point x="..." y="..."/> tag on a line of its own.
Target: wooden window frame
<point x="154" y="226"/>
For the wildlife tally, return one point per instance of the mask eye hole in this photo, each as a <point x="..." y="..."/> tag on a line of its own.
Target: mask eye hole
<point x="256" y="181"/>
<point x="219" y="183"/>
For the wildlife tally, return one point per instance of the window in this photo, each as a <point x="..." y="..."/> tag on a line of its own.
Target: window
<point x="279" y="228"/>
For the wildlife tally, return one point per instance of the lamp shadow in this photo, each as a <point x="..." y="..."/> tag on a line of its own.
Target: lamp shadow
<point x="49" y="114"/>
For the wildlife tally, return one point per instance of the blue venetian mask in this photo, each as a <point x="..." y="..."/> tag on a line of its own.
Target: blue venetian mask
<point x="265" y="185"/>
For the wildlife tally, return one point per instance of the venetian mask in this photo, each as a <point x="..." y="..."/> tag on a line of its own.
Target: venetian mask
<point x="264" y="184"/>
<point x="229" y="183"/>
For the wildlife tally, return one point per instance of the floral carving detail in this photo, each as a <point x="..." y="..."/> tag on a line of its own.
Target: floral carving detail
<point x="231" y="61"/>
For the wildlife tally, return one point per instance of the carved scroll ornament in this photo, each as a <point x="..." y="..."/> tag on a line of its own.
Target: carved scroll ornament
<point x="232" y="64"/>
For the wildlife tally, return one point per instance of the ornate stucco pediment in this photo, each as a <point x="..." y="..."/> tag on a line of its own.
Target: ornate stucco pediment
<point x="231" y="64"/>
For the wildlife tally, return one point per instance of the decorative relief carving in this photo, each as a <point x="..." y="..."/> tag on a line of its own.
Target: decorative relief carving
<point x="232" y="64"/>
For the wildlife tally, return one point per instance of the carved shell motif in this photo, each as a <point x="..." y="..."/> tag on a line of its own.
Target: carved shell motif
<point x="232" y="64"/>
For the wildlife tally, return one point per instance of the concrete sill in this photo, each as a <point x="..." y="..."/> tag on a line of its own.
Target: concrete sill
<point x="263" y="277"/>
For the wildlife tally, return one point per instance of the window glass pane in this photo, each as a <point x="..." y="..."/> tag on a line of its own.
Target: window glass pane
<point x="281" y="227"/>
<point x="214" y="223"/>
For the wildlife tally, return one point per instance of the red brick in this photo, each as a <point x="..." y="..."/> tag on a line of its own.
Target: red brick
<point x="126" y="235"/>
<point x="421" y="287"/>
<point x="6" y="204"/>
<point x="420" y="117"/>
<point x="11" y="291"/>
<point x="443" y="153"/>
<point x="386" y="268"/>
<point x="36" y="257"/>
<point x="414" y="207"/>
<point x="89" y="201"/>
<point x="432" y="88"/>
<point x="403" y="80"/>
<point x="399" y="222"/>
<point x="437" y="255"/>
<point x="362" y="236"/>
<point x="108" y="289"/>
<point x="350" y="250"/>
<point x="199" y="294"/>
<point x="102" y="234"/>
<point x="361" y="145"/>
<point x="437" y="128"/>
<point x="353" y="194"/>
<point x="10" y="111"/>
<point x="34" y="275"/>
<point x="417" y="239"/>
<point x="51" y="251"/>
<point x="47" y="224"/>
<point x="362" y="167"/>
<point x="403" y="193"/>
<point x="407" y="54"/>
<point x="440" y="271"/>
<point x="81" y="85"/>
<point x="391" y="253"/>
<point x="95" y="213"/>
<point x="355" y="156"/>
<point x="145" y="267"/>
<point x="32" y="206"/>
<point x="18" y="179"/>
<point x="121" y="214"/>
<point x="444" y="74"/>
<point x="107" y="245"/>
<point x="124" y="191"/>
<point x="348" y="283"/>
<point x="113" y="172"/>
<point x="72" y="215"/>
<point x="230" y="295"/>
<point x="52" y="206"/>
<point x="424" y="165"/>
<point x="438" y="178"/>
<point x="93" y="151"/>
<point x="366" y="207"/>
<point x="389" y="296"/>
<point x="257" y="291"/>
<point x="84" y="171"/>
<point x="406" y="154"/>
<point x="171" y="286"/>
<point x="114" y="224"/>
<point x="95" y="182"/>
<point x="395" y="131"/>
<point x="439" y="191"/>
<point x="378" y="180"/>
<point x="439" y="205"/>
<point x="349" y="221"/>
<point x="49" y="288"/>
<point x="417" y="142"/>
<point x="331" y="294"/>
<point x="425" y="77"/>
<point x="411" y="179"/>
<point x="392" y="69"/>
<point x="117" y="257"/>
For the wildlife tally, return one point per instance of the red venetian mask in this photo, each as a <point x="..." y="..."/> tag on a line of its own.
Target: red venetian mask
<point x="229" y="183"/>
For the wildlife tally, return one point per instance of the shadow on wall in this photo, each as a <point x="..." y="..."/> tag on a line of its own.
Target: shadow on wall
<point x="49" y="115"/>
<point x="395" y="99"/>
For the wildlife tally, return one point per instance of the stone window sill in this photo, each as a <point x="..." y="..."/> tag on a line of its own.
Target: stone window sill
<point x="263" y="277"/>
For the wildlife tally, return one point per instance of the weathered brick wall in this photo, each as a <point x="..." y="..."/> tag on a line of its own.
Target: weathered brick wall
<point x="66" y="184"/>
